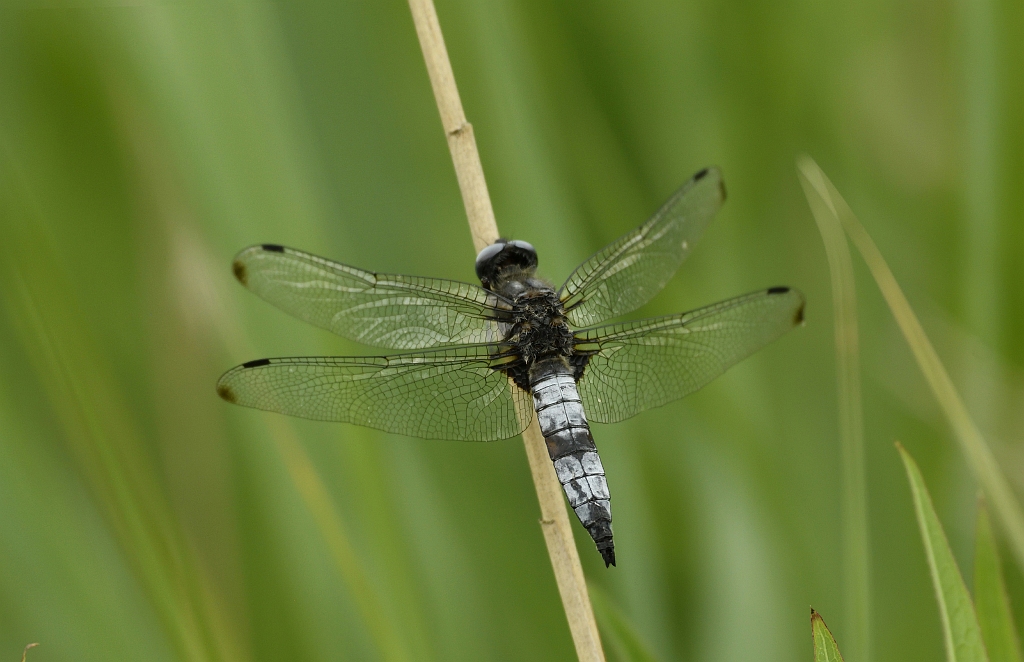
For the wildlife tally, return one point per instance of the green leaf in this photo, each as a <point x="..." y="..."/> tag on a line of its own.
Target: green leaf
<point x="959" y="622"/>
<point x="825" y="647"/>
<point x="617" y="632"/>
<point x="990" y="597"/>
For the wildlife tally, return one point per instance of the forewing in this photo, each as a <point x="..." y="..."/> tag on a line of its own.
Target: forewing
<point x="384" y="310"/>
<point x="624" y="275"/>
<point x="645" y="364"/>
<point x="452" y="393"/>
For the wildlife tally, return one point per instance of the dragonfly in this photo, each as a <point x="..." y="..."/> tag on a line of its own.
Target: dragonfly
<point x="480" y="360"/>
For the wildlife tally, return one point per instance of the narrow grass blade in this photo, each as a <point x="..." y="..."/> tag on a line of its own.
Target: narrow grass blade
<point x="196" y="268"/>
<point x="307" y="480"/>
<point x="959" y="622"/>
<point x="825" y="647"/>
<point x="990" y="598"/>
<point x="983" y="464"/>
<point x="856" y="548"/>
<point x="90" y="408"/>
<point x="617" y="631"/>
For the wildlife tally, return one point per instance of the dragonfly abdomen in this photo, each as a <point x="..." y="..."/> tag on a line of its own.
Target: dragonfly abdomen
<point x="572" y="450"/>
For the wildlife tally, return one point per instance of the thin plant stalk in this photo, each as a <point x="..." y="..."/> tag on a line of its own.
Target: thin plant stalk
<point x="976" y="35"/>
<point x="92" y="416"/>
<point x="979" y="456"/>
<point x="856" y="547"/>
<point x="978" y="41"/>
<point x="204" y="295"/>
<point x="565" y="559"/>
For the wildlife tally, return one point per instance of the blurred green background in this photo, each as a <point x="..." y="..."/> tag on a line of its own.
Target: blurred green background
<point x="143" y="143"/>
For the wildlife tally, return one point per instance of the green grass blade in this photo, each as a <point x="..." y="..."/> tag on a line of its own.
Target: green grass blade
<point x="102" y="432"/>
<point x="221" y="321"/>
<point x="825" y="647"/>
<point x="617" y="631"/>
<point x="385" y="634"/>
<point x="856" y="548"/>
<point x="990" y="598"/>
<point x="959" y="622"/>
<point x="979" y="456"/>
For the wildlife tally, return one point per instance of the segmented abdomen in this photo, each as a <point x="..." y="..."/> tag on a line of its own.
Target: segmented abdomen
<point x="571" y="447"/>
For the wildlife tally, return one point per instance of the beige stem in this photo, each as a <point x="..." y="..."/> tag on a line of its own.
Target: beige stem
<point x="554" y="521"/>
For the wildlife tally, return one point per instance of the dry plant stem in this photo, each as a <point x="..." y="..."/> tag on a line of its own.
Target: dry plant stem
<point x="554" y="521"/>
<point x="459" y="132"/>
<point x="562" y="548"/>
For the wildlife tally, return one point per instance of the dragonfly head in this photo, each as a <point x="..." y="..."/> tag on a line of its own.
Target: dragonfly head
<point x="505" y="259"/>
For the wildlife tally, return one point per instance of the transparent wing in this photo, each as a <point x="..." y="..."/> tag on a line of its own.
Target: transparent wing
<point x="384" y="310"/>
<point x="645" y="364"/>
<point x="451" y="393"/>
<point x="625" y="274"/>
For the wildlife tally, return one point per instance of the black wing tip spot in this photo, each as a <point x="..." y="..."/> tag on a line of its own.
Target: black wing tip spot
<point x="226" y="393"/>
<point x="273" y="248"/>
<point x="704" y="173"/>
<point x="241" y="273"/>
<point x="798" y="316"/>
<point x="256" y="364"/>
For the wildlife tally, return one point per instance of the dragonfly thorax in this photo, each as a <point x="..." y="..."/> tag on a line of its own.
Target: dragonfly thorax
<point x="537" y="326"/>
<point x="539" y="330"/>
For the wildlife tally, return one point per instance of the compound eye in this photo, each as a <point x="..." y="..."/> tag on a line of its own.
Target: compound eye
<point x="488" y="253"/>
<point x="526" y="246"/>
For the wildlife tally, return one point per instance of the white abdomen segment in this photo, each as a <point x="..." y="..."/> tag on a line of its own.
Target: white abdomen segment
<point x="571" y="447"/>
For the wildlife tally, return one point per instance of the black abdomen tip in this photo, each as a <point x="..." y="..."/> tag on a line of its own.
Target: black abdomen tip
<point x="608" y="554"/>
<point x="273" y="248"/>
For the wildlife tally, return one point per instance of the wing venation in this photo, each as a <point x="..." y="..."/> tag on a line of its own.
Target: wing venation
<point x="624" y="275"/>
<point x="383" y="310"/>
<point x="645" y="364"/>
<point x="449" y="393"/>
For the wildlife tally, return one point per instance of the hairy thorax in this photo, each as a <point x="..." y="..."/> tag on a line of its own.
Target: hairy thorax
<point x="538" y="329"/>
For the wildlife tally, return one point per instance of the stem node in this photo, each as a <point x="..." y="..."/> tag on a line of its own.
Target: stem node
<point x="565" y="561"/>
